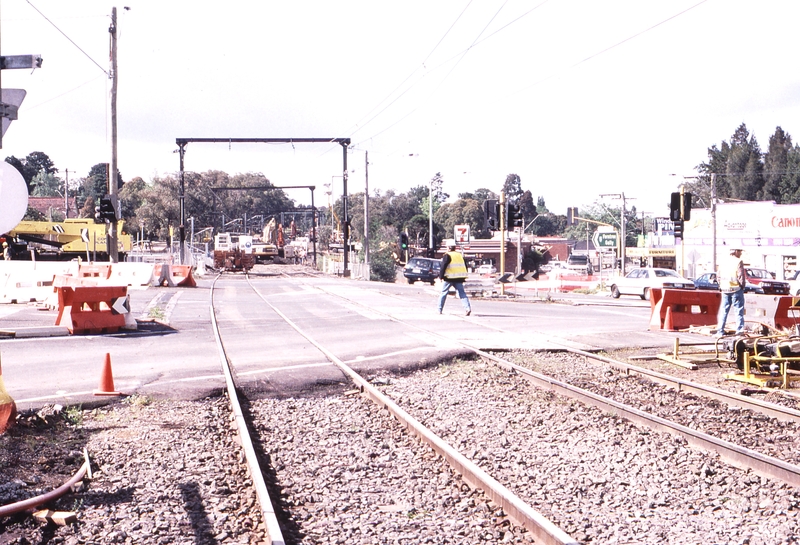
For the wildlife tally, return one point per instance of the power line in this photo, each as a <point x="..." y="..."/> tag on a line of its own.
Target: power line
<point x="68" y="38"/>
<point x="460" y="55"/>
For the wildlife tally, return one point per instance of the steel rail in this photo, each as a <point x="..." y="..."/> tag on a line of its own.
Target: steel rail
<point x="543" y="530"/>
<point x="274" y="534"/>
<point x="778" y="412"/>
<point x="736" y="455"/>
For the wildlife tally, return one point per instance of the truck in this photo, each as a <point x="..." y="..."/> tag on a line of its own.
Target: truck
<point x="65" y="240"/>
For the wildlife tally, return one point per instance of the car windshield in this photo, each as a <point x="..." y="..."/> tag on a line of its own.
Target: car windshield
<point x="666" y="272"/>
<point x="759" y="273"/>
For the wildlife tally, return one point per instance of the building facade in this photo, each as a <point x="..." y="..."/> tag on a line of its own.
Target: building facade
<point x="768" y="233"/>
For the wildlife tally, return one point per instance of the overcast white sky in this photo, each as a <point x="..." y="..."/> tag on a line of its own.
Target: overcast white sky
<point x="578" y="97"/>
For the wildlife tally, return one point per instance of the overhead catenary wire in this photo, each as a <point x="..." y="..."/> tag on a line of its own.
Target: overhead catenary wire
<point x="550" y="76"/>
<point x="69" y="39"/>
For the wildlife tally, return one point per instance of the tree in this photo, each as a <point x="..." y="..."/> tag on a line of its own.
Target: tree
<point x="775" y="166"/>
<point x="480" y="195"/>
<point x="45" y="184"/>
<point x="34" y="163"/>
<point x="529" y="210"/>
<point x="789" y="185"/>
<point x="461" y="212"/>
<point x="512" y="188"/>
<point x="739" y="169"/>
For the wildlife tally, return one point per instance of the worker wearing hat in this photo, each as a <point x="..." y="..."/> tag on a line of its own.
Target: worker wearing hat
<point x="6" y="252"/>
<point x="453" y="273"/>
<point x="731" y="283"/>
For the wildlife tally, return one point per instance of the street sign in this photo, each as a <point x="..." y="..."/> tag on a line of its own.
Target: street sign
<point x="506" y="278"/>
<point x="604" y="240"/>
<point x="462" y="234"/>
<point x="525" y="277"/>
<point x="85" y="235"/>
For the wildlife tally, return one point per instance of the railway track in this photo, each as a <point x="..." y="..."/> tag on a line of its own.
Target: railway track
<point x="767" y="427"/>
<point x="445" y="497"/>
<point x="742" y="457"/>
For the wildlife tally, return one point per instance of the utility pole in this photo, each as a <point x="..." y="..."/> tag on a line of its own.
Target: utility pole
<point x="66" y="193"/>
<point x="430" y="217"/>
<point x="502" y="240"/>
<point x="713" y="222"/>
<point x="366" y="213"/>
<point x="621" y="228"/>
<point x="346" y="223"/>
<point x="113" y="247"/>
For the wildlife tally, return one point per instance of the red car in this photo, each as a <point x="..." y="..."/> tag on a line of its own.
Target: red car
<point x="765" y="280"/>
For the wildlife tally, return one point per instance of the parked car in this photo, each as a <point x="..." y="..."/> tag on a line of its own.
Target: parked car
<point x="486" y="269"/>
<point x="422" y="269"/>
<point x="765" y="280"/>
<point x="708" y="281"/>
<point x="579" y="263"/>
<point x="641" y="281"/>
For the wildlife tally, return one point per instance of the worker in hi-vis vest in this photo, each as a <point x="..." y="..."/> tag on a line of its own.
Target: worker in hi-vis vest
<point x="731" y="283"/>
<point x="453" y="273"/>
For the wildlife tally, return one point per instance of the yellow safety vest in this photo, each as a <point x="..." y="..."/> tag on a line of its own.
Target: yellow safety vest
<point x="456" y="268"/>
<point x="729" y="274"/>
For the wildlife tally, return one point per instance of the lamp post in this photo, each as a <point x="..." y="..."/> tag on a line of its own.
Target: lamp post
<point x="621" y="228"/>
<point x="430" y="218"/>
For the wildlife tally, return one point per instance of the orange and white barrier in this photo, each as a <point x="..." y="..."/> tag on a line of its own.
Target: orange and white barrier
<point x="173" y="275"/>
<point x="94" y="309"/>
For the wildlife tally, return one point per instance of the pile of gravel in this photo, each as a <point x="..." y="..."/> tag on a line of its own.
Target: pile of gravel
<point x="349" y="473"/>
<point x="598" y="477"/>
<point x="163" y="472"/>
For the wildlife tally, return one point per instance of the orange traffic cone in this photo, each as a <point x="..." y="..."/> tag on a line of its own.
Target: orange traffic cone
<point x="668" y="320"/>
<point x="8" y="409"/>
<point x="107" y="381"/>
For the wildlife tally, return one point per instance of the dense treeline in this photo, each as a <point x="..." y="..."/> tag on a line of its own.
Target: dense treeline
<point x="742" y="172"/>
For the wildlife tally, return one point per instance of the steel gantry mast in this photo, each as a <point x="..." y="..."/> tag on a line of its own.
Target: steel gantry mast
<point x="344" y="142"/>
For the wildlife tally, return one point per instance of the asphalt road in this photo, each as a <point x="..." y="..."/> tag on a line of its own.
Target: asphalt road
<point x="371" y="326"/>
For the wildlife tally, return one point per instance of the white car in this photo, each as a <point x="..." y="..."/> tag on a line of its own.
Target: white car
<point x="486" y="269"/>
<point x="641" y="281"/>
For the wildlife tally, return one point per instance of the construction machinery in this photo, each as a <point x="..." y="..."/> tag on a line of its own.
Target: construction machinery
<point x="64" y="240"/>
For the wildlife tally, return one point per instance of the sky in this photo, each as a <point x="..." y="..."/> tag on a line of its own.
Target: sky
<point x="580" y="98"/>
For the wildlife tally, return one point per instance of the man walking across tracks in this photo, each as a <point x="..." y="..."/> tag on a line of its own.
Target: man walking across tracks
<point x="731" y="282"/>
<point x="453" y="273"/>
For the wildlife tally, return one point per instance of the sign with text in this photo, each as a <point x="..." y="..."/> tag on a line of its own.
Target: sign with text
<point x="605" y="240"/>
<point x="462" y="234"/>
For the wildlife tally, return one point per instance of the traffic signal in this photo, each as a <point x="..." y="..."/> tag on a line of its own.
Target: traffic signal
<point x="514" y="216"/>
<point x="572" y="213"/>
<point x="687" y="206"/>
<point x="675" y="206"/>
<point x="106" y="211"/>
<point x="491" y="213"/>
<point x="403" y="241"/>
<point x="678" y="229"/>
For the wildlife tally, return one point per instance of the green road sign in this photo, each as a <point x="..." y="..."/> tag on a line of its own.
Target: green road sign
<point x="605" y="240"/>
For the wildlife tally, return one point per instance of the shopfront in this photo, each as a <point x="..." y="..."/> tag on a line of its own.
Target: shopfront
<point x="768" y="233"/>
